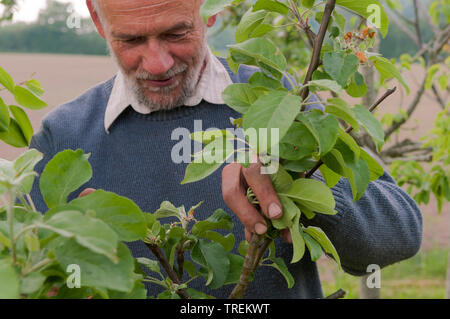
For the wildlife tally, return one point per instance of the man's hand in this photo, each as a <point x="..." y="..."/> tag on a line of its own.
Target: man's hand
<point x="235" y="181"/>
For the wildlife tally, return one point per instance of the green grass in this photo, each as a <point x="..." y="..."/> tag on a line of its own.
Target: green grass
<point x="422" y="276"/>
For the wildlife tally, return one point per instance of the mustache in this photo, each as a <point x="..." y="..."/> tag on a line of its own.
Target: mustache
<point x="146" y="76"/>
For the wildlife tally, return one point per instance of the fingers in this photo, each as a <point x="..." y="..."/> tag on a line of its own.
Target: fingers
<point x="261" y="185"/>
<point x="234" y="194"/>
<point x="86" y="192"/>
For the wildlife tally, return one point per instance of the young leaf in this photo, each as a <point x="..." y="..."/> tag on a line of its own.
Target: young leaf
<point x="64" y="173"/>
<point x="120" y="213"/>
<point x="97" y="270"/>
<point x="314" y="248"/>
<point x="298" y="244"/>
<point x="14" y="136"/>
<point x="23" y="121"/>
<point x="290" y="213"/>
<point x="357" y="87"/>
<point x="239" y="97"/>
<point x="340" y="66"/>
<point x="249" y="22"/>
<point x="325" y="84"/>
<point x="277" y="109"/>
<point x="324" y="127"/>
<point x="271" y="5"/>
<point x="280" y="265"/>
<point x="215" y="258"/>
<point x="341" y="109"/>
<point x="387" y="70"/>
<point x="370" y="124"/>
<point x="27" y="98"/>
<point x="312" y="194"/>
<point x="324" y="241"/>
<point x="4" y="116"/>
<point x="94" y="233"/>
<point x="6" y="80"/>
<point x="9" y="279"/>
<point x="218" y="220"/>
<point x="212" y="7"/>
<point x="330" y="177"/>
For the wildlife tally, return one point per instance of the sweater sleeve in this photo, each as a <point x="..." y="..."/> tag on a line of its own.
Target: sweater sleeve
<point x="383" y="227"/>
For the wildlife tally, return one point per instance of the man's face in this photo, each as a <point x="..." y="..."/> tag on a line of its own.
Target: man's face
<point x="160" y="46"/>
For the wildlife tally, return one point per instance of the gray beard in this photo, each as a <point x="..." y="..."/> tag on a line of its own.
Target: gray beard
<point x="167" y="101"/>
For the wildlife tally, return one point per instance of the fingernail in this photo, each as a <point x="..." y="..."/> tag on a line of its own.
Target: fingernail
<point x="274" y="210"/>
<point x="260" y="229"/>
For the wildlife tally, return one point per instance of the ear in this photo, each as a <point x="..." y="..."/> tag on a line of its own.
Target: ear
<point x="211" y="21"/>
<point x="96" y="19"/>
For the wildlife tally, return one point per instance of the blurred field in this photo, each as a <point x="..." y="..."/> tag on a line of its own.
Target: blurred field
<point x="64" y="77"/>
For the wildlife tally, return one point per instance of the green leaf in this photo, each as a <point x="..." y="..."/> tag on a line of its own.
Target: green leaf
<point x="290" y="213"/>
<point x="236" y="263"/>
<point x="313" y="246"/>
<point x="35" y="86"/>
<point x="277" y="109"/>
<point x="9" y="279"/>
<point x="212" y="7"/>
<point x="215" y="258"/>
<point x="260" y="79"/>
<point x="31" y="283"/>
<point x="298" y="244"/>
<point x="313" y="195"/>
<point x="150" y="264"/>
<point x="357" y="86"/>
<point x="300" y="166"/>
<point x="14" y="136"/>
<point x="206" y="137"/>
<point x="93" y="234"/>
<point x="6" y="80"/>
<point x="260" y="52"/>
<point x="218" y="220"/>
<point x="330" y="177"/>
<point x="308" y="3"/>
<point x="271" y="5"/>
<point x="208" y="161"/>
<point x="364" y="8"/>
<point x="324" y="127"/>
<point x="239" y="97"/>
<point x="324" y="241"/>
<point x="341" y="109"/>
<point x="166" y="209"/>
<point x="340" y="66"/>
<point x="326" y="85"/>
<point x="297" y="143"/>
<point x="27" y="98"/>
<point x="227" y="241"/>
<point x="23" y="121"/>
<point x="280" y="265"/>
<point x="387" y="70"/>
<point x="281" y="180"/>
<point x="351" y="143"/>
<point x="120" y="213"/>
<point x="249" y="22"/>
<point x="65" y="172"/>
<point x="370" y="124"/>
<point x="24" y="164"/>
<point x="375" y="169"/>
<point x="243" y="247"/>
<point x="4" y="116"/>
<point x="96" y="269"/>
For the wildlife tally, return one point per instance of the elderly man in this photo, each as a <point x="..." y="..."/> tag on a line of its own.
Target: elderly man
<point x="168" y="78"/>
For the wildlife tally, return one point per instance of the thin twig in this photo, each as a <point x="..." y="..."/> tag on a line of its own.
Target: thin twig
<point x="168" y="268"/>
<point x="337" y="295"/>
<point x="318" y="41"/>
<point x="247" y="268"/>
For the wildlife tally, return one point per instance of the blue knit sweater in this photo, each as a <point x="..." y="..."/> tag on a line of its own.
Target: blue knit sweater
<point x="134" y="160"/>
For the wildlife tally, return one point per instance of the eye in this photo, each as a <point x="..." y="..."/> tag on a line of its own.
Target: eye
<point x="176" y="36"/>
<point x="136" y="40"/>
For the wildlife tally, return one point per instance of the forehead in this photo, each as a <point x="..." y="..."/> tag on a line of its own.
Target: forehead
<point x="149" y="15"/>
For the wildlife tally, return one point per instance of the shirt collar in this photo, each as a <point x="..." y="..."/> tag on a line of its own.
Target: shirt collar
<point x="213" y="81"/>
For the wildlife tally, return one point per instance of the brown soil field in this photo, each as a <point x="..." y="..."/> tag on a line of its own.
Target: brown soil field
<point x="64" y="77"/>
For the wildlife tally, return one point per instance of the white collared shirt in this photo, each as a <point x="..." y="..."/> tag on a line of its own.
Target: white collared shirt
<point x="213" y="81"/>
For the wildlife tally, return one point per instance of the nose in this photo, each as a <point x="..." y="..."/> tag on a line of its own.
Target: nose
<point x="156" y="59"/>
